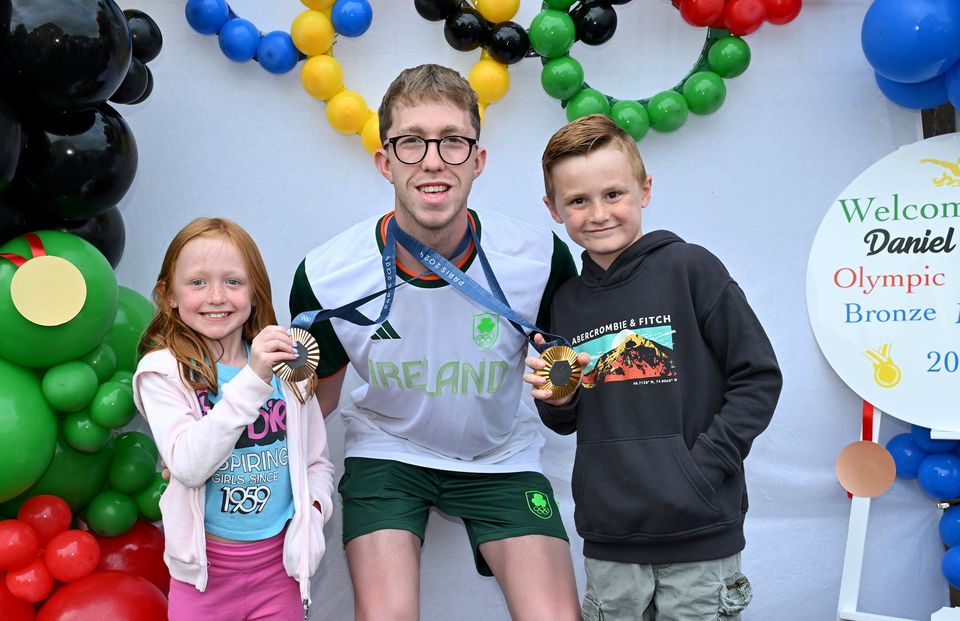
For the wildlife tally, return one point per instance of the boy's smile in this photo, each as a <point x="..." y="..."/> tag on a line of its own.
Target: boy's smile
<point x="599" y="200"/>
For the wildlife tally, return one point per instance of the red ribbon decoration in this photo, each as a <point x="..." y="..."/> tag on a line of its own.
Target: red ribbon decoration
<point x="36" y="250"/>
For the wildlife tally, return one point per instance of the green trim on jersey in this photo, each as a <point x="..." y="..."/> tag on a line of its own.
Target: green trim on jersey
<point x="562" y="269"/>
<point x="333" y="357"/>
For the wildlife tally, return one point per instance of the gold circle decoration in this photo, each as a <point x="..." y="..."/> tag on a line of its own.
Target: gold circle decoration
<point x="308" y="357"/>
<point x="48" y="291"/>
<point x="562" y="371"/>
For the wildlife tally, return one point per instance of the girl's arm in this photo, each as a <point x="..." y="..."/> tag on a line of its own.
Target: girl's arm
<point x="194" y="449"/>
<point x="319" y="467"/>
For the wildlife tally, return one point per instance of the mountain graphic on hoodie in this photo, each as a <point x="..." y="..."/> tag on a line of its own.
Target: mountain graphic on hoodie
<point x="636" y="358"/>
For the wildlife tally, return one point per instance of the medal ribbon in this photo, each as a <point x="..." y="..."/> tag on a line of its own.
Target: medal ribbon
<point x="36" y="250"/>
<point x="493" y="300"/>
<point x="349" y="312"/>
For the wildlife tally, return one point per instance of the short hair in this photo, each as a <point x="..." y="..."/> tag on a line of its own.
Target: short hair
<point x="433" y="83"/>
<point x="168" y="331"/>
<point x="581" y="136"/>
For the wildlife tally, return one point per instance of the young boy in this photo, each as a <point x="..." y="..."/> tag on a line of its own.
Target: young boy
<point x="678" y="380"/>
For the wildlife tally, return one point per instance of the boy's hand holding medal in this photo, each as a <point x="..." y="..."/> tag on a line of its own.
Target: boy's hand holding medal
<point x="555" y="374"/>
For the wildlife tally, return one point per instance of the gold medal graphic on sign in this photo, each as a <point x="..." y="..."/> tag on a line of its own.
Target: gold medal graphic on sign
<point x="562" y="371"/>
<point x="305" y="364"/>
<point x="886" y="373"/>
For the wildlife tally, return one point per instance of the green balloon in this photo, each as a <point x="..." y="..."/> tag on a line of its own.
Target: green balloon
<point x="148" y="501"/>
<point x="124" y="377"/>
<point x="704" y="92"/>
<point x="631" y="117"/>
<point x="28" y="429"/>
<point x="552" y="33"/>
<point x="83" y="434"/>
<point x="113" y="405"/>
<point x="131" y="470"/>
<point x="70" y="386"/>
<point x="562" y="77"/>
<point x="103" y="360"/>
<point x="111" y="513"/>
<point x="137" y="439"/>
<point x="73" y="475"/>
<point x="560" y="5"/>
<point x="587" y="101"/>
<point x="668" y="111"/>
<point x="729" y="57"/>
<point x="44" y="346"/>
<point x="134" y="314"/>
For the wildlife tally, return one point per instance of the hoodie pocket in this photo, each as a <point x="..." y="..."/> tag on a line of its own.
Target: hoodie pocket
<point x="639" y="489"/>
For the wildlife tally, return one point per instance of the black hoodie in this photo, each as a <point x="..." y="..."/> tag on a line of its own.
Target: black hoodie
<point x="682" y="379"/>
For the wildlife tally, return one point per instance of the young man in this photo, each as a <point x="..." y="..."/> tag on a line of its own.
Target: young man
<point x="438" y="420"/>
<point x="679" y="378"/>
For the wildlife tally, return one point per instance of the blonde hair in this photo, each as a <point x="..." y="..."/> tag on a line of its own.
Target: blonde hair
<point x="168" y="331"/>
<point x="580" y="137"/>
<point x="428" y="83"/>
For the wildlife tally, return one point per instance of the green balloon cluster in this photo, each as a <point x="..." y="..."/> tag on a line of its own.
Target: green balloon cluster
<point x="72" y="361"/>
<point x="701" y="92"/>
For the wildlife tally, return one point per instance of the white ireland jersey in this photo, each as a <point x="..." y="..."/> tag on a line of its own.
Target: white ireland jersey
<point x="443" y="374"/>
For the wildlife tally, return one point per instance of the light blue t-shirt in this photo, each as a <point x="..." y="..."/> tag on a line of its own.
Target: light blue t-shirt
<point x="249" y="497"/>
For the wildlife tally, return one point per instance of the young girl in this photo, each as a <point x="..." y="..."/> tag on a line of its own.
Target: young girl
<point x="251" y="482"/>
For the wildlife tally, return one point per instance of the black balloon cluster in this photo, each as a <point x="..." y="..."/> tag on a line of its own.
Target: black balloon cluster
<point x="508" y="42"/>
<point x="66" y="156"/>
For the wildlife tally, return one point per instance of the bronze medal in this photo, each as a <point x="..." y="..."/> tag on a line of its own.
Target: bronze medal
<point x="562" y="371"/>
<point x="305" y="364"/>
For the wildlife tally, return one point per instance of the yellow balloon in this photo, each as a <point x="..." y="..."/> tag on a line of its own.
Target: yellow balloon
<point x="347" y="112"/>
<point x="497" y="10"/>
<point x="312" y="33"/>
<point x="490" y="80"/>
<point x="483" y="113"/>
<point x="319" y="5"/>
<point x="370" y="134"/>
<point x="322" y="76"/>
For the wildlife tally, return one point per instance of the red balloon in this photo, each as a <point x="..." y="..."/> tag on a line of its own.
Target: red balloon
<point x="19" y="544"/>
<point x="139" y="551"/>
<point x="701" y="13"/>
<point x="14" y="609"/>
<point x="71" y="555"/>
<point x="30" y="583"/>
<point x="47" y="514"/>
<point x="742" y="17"/>
<point x="782" y="11"/>
<point x="113" y="595"/>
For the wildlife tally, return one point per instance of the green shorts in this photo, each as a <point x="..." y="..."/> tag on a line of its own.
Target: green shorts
<point x="380" y="494"/>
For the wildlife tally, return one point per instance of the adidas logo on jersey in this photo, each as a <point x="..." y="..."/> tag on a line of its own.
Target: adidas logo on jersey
<point x="384" y="332"/>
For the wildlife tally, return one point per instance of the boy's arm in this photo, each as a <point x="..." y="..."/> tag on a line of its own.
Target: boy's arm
<point x="753" y="384"/>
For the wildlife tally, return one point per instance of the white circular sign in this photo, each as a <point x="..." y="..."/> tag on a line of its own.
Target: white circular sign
<point x="883" y="284"/>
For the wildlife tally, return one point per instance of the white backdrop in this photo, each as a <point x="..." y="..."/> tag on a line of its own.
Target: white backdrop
<point x="751" y="182"/>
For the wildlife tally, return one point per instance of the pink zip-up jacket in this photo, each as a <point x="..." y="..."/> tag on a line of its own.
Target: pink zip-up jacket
<point x="194" y="446"/>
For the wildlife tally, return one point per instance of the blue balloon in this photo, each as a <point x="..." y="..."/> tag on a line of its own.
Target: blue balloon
<point x="239" y="39"/>
<point x="207" y="16"/>
<point x="906" y="455"/>
<point x="921" y="436"/>
<point x="939" y="475"/>
<point x="916" y="96"/>
<point x="950" y="526"/>
<point x="950" y="566"/>
<point x="277" y="53"/>
<point x="351" y="18"/>
<point x="952" y="79"/>
<point x="911" y="40"/>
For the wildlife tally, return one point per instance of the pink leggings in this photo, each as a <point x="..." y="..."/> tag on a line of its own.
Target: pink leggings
<point x="246" y="581"/>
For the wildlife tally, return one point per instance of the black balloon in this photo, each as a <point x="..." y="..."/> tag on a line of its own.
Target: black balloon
<point x="14" y="219"/>
<point x="617" y="1"/>
<point x="64" y="54"/>
<point x="465" y="30"/>
<point x="145" y="35"/>
<point x="81" y="164"/>
<point x="595" y="22"/>
<point x="508" y="43"/>
<point x="9" y="144"/>
<point x="148" y="89"/>
<point x="134" y="85"/>
<point x="436" y="10"/>
<point x="105" y="231"/>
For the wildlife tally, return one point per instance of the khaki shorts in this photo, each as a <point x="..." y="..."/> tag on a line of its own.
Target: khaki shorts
<point x="380" y="494"/>
<point x="702" y="591"/>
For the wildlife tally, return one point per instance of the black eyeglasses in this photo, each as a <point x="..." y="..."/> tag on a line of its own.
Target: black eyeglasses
<point x="453" y="150"/>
